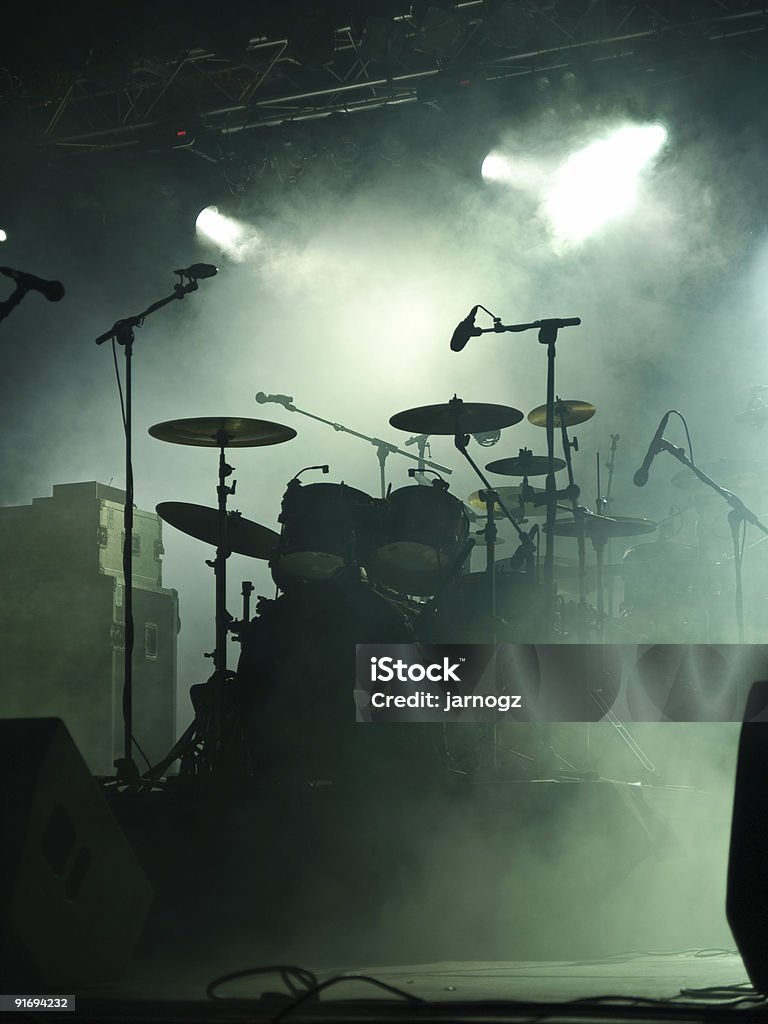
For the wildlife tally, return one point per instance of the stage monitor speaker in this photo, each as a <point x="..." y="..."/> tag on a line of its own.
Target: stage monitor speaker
<point x="73" y="898"/>
<point x="747" y="896"/>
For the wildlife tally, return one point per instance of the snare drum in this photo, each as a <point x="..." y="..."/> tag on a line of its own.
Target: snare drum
<point x="424" y="541"/>
<point x="324" y="526"/>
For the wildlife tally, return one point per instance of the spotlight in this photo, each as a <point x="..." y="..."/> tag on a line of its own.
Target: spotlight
<point x="599" y="183"/>
<point x="232" y="237"/>
<point x="3" y="236"/>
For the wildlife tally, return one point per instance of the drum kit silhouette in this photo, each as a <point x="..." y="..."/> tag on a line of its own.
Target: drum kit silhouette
<point x="351" y="568"/>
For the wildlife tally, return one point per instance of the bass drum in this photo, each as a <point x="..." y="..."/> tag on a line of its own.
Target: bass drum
<point x="424" y="541"/>
<point x="461" y="614"/>
<point x="297" y="672"/>
<point x="325" y="530"/>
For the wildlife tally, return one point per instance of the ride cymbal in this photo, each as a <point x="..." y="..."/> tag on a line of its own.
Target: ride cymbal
<point x="571" y="411"/>
<point x="222" y="432"/>
<point x="244" y="537"/>
<point x="605" y="526"/>
<point x="456" y="417"/>
<point x="524" y="464"/>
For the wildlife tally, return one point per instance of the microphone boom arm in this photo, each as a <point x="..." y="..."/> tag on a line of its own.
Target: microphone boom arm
<point x="384" y="448"/>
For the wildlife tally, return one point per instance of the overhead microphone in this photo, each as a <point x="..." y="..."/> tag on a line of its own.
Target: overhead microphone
<point x="52" y="290"/>
<point x="261" y="398"/>
<point x="641" y="476"/>
<point x="465" y="330"/>
<point x="198" y="271"/>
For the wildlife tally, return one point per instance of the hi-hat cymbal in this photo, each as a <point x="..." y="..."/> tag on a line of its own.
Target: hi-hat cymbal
<point x="456" y="417"/>
<point x="605" y="526"/>
<point x="570" y="411"/>
<point x="524" y="464"/>
<point x="511" y="496"/>
<point x="726" y="472"/>
<point x="222" y="431"/>
<point x="243" y="536"/>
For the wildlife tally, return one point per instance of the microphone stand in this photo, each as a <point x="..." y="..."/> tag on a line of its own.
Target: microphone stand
<point x="7" y="306"/>
<point x="383" y="448"/>
<point x="738" y="515"/>
<point x="122" y="333"/>
<point x="547" y="336"/>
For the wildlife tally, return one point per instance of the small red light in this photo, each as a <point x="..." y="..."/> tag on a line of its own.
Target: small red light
<point x="465" y="81"/>
<point x="180" y="133"/>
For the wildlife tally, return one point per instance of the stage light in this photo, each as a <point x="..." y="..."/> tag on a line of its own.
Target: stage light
<point x="599" y="183"/>
<point x="231" y="236"/>
<point x="3" y="236"/>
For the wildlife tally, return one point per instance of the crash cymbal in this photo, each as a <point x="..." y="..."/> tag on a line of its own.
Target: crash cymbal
<point x="222" y="431"/>
<point x="456" y="417"/>
<point x="605" y="526"/>
<point x="570" y="410"/>
<point x="726" y="472"/>
<point x="524" y="464"/>
<point x="511" y="497"/>
<point x="243" y="536"/>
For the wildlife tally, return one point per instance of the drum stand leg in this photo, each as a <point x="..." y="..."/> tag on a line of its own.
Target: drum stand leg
<point x="212" y="745"/>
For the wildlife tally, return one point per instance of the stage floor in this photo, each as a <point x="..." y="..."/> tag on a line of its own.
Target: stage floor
<point x="647" y="976"/>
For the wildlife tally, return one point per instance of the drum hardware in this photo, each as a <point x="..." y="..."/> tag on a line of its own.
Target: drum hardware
<point x="603" y="505"/>
<point x="383" y="448"/>
<point x="422" y="540"/>
<point x="327" y="530"/>
<point x="122" y="333"/>
<point x="524" y="464"/>
<point x="567" y="413"/>
<point x="547" y="335"/>
<point x="462" y="419"/>
<point x="599" y="529"/>
<point x="222" y="433"/>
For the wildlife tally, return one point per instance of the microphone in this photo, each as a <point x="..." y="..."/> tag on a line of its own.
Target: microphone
<point x="641" y="476"/>
<point x="198" y="271"/>
<point x="465" y="330"/>
<point x="52" y="290"/>
<point x="285" y="400"/>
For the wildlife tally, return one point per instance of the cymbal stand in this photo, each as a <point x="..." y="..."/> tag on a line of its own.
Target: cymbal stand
<point x="603" y="506"/>
<point x="547" y="336"/>
<point x="383" y="448"/>
<point x="122" y="333"/>
<point x="490" y="498"/>
<point x="212" y="746"/>
<point x="738" y="517"/>
<point x="578" y="516"/>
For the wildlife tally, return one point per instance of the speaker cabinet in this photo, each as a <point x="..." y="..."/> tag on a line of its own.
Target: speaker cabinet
<point x="73" y="898"/>
<point x="747" y="897"/>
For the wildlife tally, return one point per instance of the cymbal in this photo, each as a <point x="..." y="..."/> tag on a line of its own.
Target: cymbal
<point x="524" y="464"/>
<point x="243" y="536"/>
<point x="511" y="498"/>
<point x="605" y="526"/>
<point x="456" y="417"/>
<point x="726" y="472"/>
<point x="222" y="431"/>
<point x="570" y="410"/>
